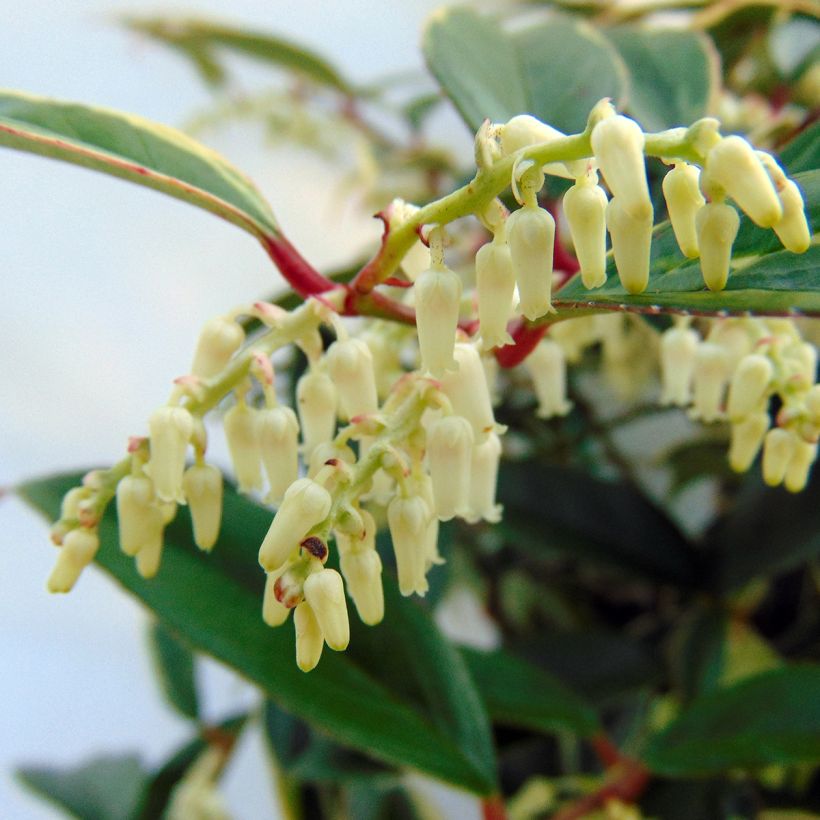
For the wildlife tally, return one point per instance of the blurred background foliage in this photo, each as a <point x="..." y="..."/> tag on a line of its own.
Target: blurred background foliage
<point x="643" y="625"/>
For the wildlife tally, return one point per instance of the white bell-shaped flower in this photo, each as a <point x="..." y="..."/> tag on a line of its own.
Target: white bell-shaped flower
<point x="531" y="237"/>
<point x="138" y="518"/>
<point x="219" y="340"/>
<point x="316" y="402"/>
<point x="793" y="228"/>
<point x="495" y="285"/>
<point x="242" y="433"/>
<point x="802" y="360"/>
<point x="617" y="143"/>
<point x="309" y="638"/>
<point x="149" y="558"/>
<point x="717" y="224"/>
<point x="483" y="481"/>
<point x="524" y="130"/>
<point x="585" y="208"/>
<point x="350" y="365"/>
<point x="679" y="347"/>
<point x="363" y="575"/>
<point x="203" y="489"/>
<point x="746" y="439"/>
<point x="681" y="189"/>
<point x="547" y="367"/>
<point x="575" y="336"/>
<point x="468" y="391"/>
<point x="800" y="464"/>
<point x="733" y="338"/>
<point x="438" y="297"/>
<point x="631" y="245"/>
<point x="79" y="548"/>
<point x="736" y="167"/>
<point x="709" y="382"/>
<point x="749" y="386"/>
<point x="170" y="429"/>
<point x="408" y="519"/>
<point x="449" y="448"/>
<point x="305" y="504"/>
<point x="325" y="592"/>
<point x="278" y="431"/>
<point x="778" y="449"/>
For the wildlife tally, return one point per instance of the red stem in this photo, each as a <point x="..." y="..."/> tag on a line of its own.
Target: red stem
<point x="628" y="782"/>
<point x="492" y="808"/>
<point x="299" y="273"/>
<point x="525" y="338"/>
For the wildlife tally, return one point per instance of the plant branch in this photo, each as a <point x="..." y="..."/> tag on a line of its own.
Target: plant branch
<point x="626" y="781"/>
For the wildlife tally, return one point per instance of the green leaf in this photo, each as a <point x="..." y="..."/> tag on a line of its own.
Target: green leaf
<point x="174" y="663"/>
<point x="765" y="278"/>
<point x="200" y="40"/>
<point x="104" y="788"/>
<point x="519" y="694"/>
<point x="773" y="718"/>
<point x="697" y="650"/>
<point x="674" y="75"/>
<point x="700" y="458"/>
<point x="381" y="704"/>
<point x="132" y="148"/>
<point x="803" y="152"/>
<point x="550" y="508"/>
<point x="489" y="72"/>
<point x="767" y="531"/>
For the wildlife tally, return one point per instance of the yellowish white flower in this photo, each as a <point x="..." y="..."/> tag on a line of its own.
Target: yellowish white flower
<point x="746" y="439"/>
<point x="408" y="519"/>
<point x="778" y="449"/>
<point x="717" y="224"/>
<point x="531" y="238"/>
<point x="316" y="402"/>
<point x="309" y="637"/>
<point x="449" y="447"/>
<point x="468" y="391"/>
<point x="495" y="285"/>
<point x="203" y="489"/>
<point x="80" y="545"/>
<point x="548" y="370"/>
<point x="792" y="228"/>
<point x="350" y="365"/>
<point x="278" y="431"/>
<point x="681" y="189"/>
<point x="631" y="244"/>
<point x="679" y="346"/>
<point x="438" y="296"/>
<point x="171" y="429"/>
<point x="709" y="381"/>
<point x="749" y="386"/>
<point x="325" y="592"/>
<point x="800" y="464"/>
<point x="484" y="461"/>
<point x="219" y="340"/>
<point x="585" y="208"/>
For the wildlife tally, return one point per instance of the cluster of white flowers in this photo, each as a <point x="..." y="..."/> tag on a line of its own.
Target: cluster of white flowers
<point x="394" y="426"/>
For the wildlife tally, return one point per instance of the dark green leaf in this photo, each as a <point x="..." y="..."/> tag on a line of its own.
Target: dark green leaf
<point x="200" y="39"/>
<point x="161" y="783"/>
<point x="694" y="460"/>
<point x="489" y="72"/>
<point x="213" y="602"/>
<point x="765" y="278"/>
<point x="773" y="718"/>
<point x="174" y="662"/>
<point x="803" y="152"/>
<point x="673" y="75"/>
<point x="549" y="508"/>
<point x="697" y="651"/>
<point x="519" y="694"/>
<point x="368" y="801"/>
<point x="132" y="148"/>
<point x="104" y="788"/>
<point x="767" y="531"/>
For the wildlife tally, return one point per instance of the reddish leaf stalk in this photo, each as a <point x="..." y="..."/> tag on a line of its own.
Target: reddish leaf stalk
<point x="298" y="272"/>
<point x="627" y="782"/>
<point x="492" y="808"/>
<point x="525" y="338"/>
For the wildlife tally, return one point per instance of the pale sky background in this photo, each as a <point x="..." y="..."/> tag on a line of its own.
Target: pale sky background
<point x="105" y="287"/>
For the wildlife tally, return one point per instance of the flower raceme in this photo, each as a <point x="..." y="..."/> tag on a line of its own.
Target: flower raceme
<point x="399" y="426"/>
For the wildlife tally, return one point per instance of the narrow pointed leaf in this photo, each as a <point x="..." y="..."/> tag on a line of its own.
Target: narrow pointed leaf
<point x="765" y="278"/>
<point x="214" y="602"/>
<point x="174" y="663"/>
<point x="136" y="149"/>
<point x="772" y="718"/>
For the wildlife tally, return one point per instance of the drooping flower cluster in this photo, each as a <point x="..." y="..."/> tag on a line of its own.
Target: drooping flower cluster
<point x="398" y="427"/>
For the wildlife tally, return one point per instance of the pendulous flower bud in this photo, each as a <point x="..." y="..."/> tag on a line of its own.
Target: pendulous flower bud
<point x="531" y="237"/>
<point x="468" y="391"/>
<point x="679" y="347"/>
<point x="617" y="143"/>
<point x="278" y="431"/>
<point x="495" y="283"/>
<point x="709" y="380"/>
<point x="717" y="224"/>
<point x="171" y="429"/>
<point x="800" y="464"/>
<point x="274" y="612"/>
<point x="438" y="297"/>
<point x="778" y="449"/>
<point x="316" y="401"/>
<point x="548" y="370"/>
<point x="350" y="365"/>
<point x="681" y="189"/>
<point x="309" y="638"/>
<point x="585" y="209"/>
<point x="449" y="448"/>
<point x="408" y="519"/>
<point x="483" y="480"/>
<point x="79" y="548"/>
<point x="219" y="340"/>
<point x="749" y="386"/>
<point x="149" y="557"/>
<point x="203" y="489"/>
<point x="525" y="130"/>
<point x="735" y="166"/>
<point x="242" y="434"/>
<point x="792" y="228"/>
<point x="304" y="505"/>
<point x="325" y="592"/>
<point x="747" y="438"/>
<point x="631" y="244"/>
<point x="363" y="573"/>
<point x="138" y="518"/>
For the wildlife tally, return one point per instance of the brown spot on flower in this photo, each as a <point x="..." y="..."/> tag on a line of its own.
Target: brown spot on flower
<point x="316" y="547"/>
